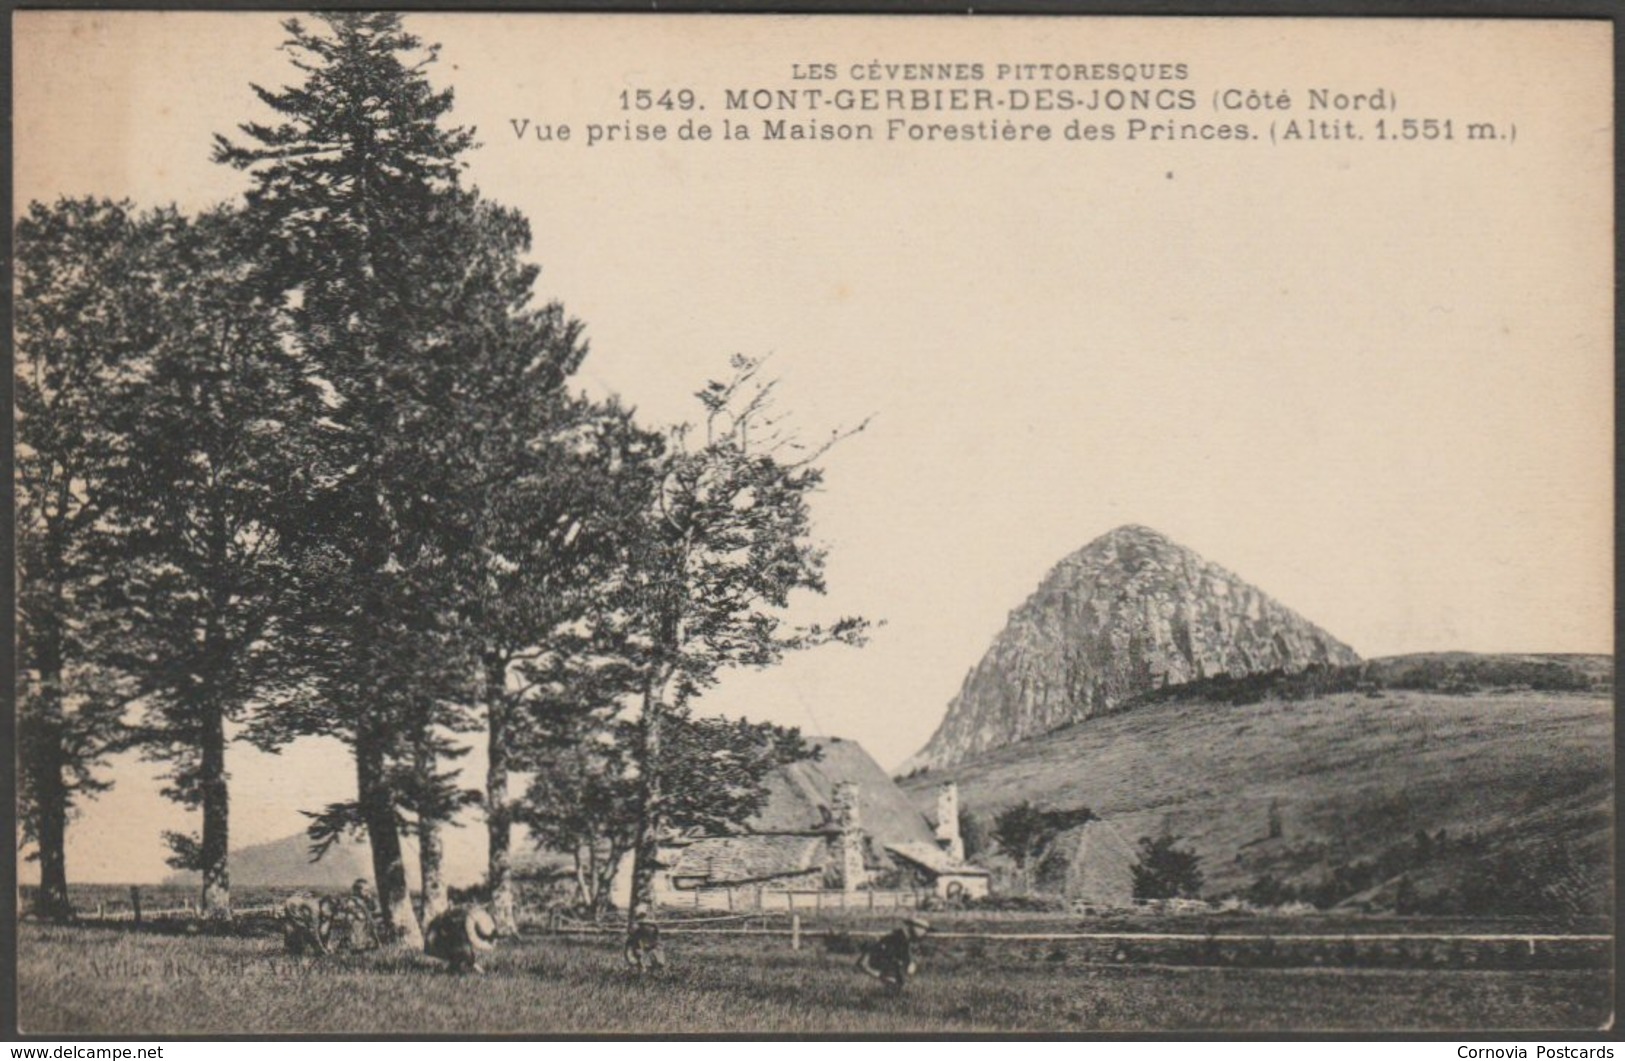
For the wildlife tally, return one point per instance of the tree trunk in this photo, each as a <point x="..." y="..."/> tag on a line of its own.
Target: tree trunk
<point x="604" y="882"/>
<point x="431" y="855"/>
<point x="584" y="875"/>
<point x="216" y="816"/>
<point x="499" y="876"/>
<point x="388" y="865"/>
<point x="215" y="848"/>
<point x="52" y="830"/>
<point x="431" y="846"/>
<point x="49" y="762"/>
<point x="646" y="845"/>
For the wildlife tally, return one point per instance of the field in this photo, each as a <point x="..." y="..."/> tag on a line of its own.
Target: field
<point x="89" y="980"/>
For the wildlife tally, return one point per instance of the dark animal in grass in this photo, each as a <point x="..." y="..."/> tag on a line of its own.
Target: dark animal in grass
<point x="890" y="959"/>
<point x="460" y="936"/>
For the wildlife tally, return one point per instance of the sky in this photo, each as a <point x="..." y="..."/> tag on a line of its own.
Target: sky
<point x="1373" y="380"/>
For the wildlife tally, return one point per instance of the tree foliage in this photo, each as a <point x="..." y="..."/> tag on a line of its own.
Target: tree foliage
<point x="1165" y="870"/>
<point x="82" y="326"/>
<point x="1025" y="832"/>
<point x="195" y="584"/>
<point x="726" y="541"/>
<point x="717" y="770"/>
<point x="312" y="467"/>
<point x="356" y="187"/>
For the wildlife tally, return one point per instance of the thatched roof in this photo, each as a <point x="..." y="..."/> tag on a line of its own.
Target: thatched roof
<point x="802" y="794"/>
<point x="790" y="838"/>
<point x="935" y="859"/>
<point x="747" y="859"/>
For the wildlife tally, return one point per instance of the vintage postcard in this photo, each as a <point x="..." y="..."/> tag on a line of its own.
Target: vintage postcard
<point x="761" y="525"/>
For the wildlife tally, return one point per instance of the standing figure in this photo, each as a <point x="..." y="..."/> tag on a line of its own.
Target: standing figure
<point x="643" y="950"/>
<point x="459" y="936"/>
<point x="890" y="959"/>
<point x="361" y="891"/>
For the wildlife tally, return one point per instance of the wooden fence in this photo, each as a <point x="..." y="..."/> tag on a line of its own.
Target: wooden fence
<point x="185" y="912"/>
<point x="767" y="900"/>
<point x="1403" y="949"/>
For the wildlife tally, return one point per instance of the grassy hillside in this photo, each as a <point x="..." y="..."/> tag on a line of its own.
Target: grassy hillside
<point x="1506" y="781"/>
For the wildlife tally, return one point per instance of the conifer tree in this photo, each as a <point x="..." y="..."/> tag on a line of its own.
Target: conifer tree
<point x="194" y="581"/>
<point x="84" y="321"/>
<point x="349" y="186"/>
<point x="466" y="503"/>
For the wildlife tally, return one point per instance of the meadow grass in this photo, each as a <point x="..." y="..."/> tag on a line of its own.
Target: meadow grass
<point x="98" y="981"/>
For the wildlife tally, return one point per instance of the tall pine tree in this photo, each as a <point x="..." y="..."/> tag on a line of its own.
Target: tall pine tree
<point x="348" y="187"/>
<point x="528" y="494"/>
<point x="467" y="506"/>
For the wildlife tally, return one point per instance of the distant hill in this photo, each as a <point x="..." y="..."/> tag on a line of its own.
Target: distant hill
<point x="286" y="863"/>
<point x="1129" y="613"/>
<point x="1442" y="775"/>
<point x="1467" y="671"/>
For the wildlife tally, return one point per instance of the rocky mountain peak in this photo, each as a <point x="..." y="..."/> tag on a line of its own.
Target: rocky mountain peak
<point x="1130" y="612"/>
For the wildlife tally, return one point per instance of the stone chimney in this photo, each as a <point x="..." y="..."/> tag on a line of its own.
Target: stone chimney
<point x="849" y="820"/>
<point x="948" y="821"/>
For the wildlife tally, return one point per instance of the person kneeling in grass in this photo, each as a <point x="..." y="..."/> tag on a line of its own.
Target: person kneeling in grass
<point x="890" y="959"/>
<point x="307" y="923"/>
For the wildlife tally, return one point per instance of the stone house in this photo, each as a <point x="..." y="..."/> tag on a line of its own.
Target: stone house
<point x="835" y="823"/>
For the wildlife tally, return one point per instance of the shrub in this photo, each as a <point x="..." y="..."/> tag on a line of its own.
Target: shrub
<point x="1166" y="871"/>
<point x="1018" y="903"/>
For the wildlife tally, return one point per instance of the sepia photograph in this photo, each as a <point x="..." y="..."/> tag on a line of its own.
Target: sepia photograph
<point x="560" y="524"/>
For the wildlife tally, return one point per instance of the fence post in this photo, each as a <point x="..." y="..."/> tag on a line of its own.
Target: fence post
<point x="795" y="931"/>
<point x="135" y="902"/>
